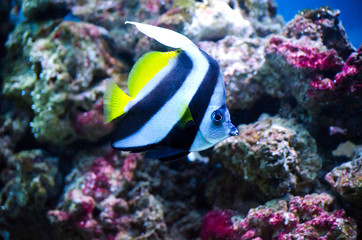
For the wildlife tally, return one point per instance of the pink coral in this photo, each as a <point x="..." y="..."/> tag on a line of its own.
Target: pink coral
<point x="301" y="55"/>
<point x="90" y="124"/>
<point x="302" y="218"/>
<point x="347" y="81"/>
<point x="217" y="224"/>
<point x="350" y="78"/>
<point x="328" y="75"/>
<point x="98" y="180"/>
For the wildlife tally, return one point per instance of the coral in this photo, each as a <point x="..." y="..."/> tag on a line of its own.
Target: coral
<point x="320" y="25"/>
<point x="312" y="61"/>
<point x="111" y="195"/>
<point x="98" y="200"/>
<point x="302" y="54"/>
<point x="94" y="184"/>
<point x="60" y="76"/>
<point x="218" y="224"/>
<point x="215" y="20"/>
<point x="13" y="125"/>
<point x="239" y="58"/>
<point x="43" y="9"/>
<point x="306" y="217"/>
<point x="90" y="125"/>
<point x="262" y="15"/>
<point x="178" y="186"/>
<point x="346" y="181"/>
<point x="112" y="15"/>
<point x="274" y="154"/>
<point x="241" y="52"/>
<point x="29" y="182"/>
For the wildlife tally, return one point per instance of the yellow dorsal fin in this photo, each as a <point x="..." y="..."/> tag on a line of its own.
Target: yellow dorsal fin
<point x="114" y="101"/>
<point x="185" y="116"/>
<point x="146" y="68"/>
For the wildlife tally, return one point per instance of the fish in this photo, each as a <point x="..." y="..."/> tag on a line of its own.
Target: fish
<point x="175" y="102"/>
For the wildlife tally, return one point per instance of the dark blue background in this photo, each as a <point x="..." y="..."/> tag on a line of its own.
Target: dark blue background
<point x="351" y="14"/>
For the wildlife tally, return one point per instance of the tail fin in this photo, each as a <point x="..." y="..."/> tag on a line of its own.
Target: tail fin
<point x="114" y="101"/>
<point x="165" y="36"/>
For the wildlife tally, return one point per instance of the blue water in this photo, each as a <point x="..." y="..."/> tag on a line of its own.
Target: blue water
<point x="351" y="14"/>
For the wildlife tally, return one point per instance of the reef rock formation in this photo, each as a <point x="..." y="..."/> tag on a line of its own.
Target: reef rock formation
<point x="312" y="61"/>
<point x="60" y="75"/>
<point x="346" y="182"/>
<point x="30" y="180"/>
<point x="308" y="217"/>
<point x="239" y="59"/>
<point x="274" y="154"/>
<point x="94" y="205"/>
<point x="112" y="196"/>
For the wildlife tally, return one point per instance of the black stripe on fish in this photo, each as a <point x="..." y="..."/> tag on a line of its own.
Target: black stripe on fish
<point x="201" y="99"/>
<point x="182" y="138"/>
<point x="139" y="114"/>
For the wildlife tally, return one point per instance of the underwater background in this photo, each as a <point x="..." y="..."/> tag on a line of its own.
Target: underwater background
<point x="293" y="87"/>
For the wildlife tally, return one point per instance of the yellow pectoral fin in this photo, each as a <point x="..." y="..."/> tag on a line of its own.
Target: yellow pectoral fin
<point x="114" y="101"/>
<point x="185" y="117"/>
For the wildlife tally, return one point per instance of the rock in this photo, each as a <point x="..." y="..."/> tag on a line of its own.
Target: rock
<point x="276" y="155"/>
<point x="346" y="182"/>
<point x="61" y="76"/>
<point x="299" y="218"/>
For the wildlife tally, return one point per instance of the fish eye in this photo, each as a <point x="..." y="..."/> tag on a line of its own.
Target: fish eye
<point x="217" y="117"/>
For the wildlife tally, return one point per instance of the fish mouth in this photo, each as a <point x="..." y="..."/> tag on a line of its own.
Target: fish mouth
<point x="234" y="131"/>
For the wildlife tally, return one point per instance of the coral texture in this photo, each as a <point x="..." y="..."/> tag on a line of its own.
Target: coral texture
<point x="13" y="126"/>
<point x="323" y="75"/>
<point x="306" y="217"/>
<point x="239" y="58"/>
<point x="217" y="20"/>
<point x="30" y="180"/>
<point x="346" y="181"/>
<point x="93" y="202"/>
<point x="275" y="154"/>
<point x="112" y="196"/>
<point x="60" y="76"/>
<point x="262" y="15"/>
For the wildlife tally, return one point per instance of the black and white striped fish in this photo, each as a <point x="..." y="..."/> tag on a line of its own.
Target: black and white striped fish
<point x="176" y="102"/>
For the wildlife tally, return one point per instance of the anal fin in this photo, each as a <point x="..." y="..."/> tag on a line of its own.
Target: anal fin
<point x="166" y="153"/>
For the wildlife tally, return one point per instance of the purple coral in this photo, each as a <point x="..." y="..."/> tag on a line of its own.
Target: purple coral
<point x="90" y="124"/>
<point x="301" y="218"/>
<point x="217" y="224"/>
<point x="323" y="76"/>
<point x="299" y="54"/>
<point x="97" y="184"/>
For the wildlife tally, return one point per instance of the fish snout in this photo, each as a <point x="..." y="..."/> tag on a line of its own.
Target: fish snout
<point x="233" y="131"/>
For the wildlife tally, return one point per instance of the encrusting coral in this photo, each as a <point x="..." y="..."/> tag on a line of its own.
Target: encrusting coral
<point x="276" y="155"/>
<point x="307" y="217"/>
<point x="60" y="76"/>
<point x="346" y="182"/>
<point x="321" y="74"/>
